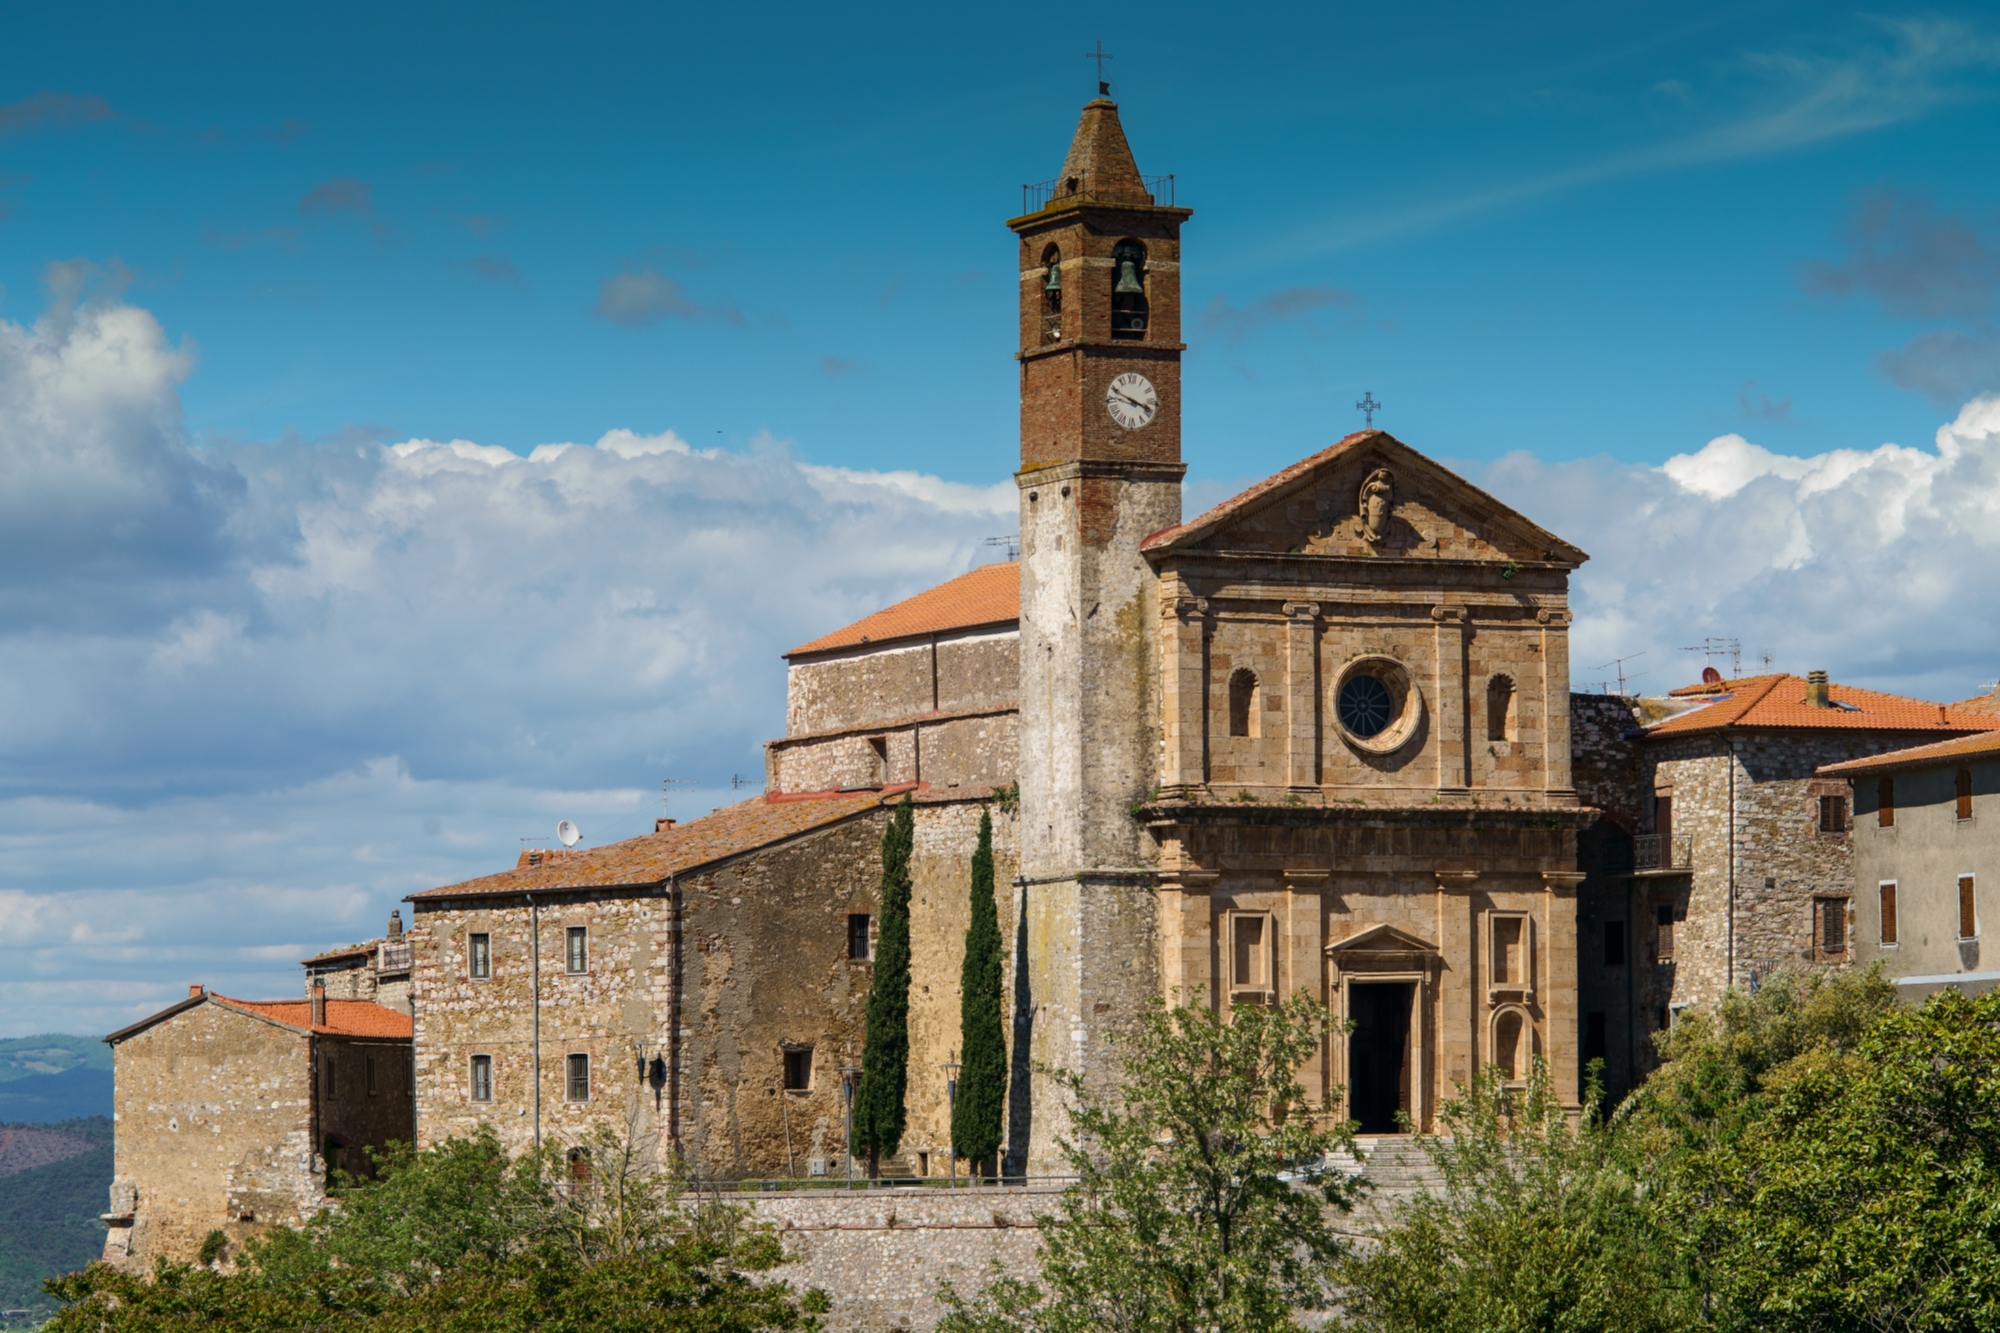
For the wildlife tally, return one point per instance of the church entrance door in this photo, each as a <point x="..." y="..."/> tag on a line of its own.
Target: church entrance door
<point x="1378" y="1054"/>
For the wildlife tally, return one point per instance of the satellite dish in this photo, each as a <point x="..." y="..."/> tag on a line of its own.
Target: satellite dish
<point x="1710" y="676"/>
<point x="569" y="833"/>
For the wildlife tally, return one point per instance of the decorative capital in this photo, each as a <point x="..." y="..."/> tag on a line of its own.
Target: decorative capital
<point x="1187" y="608"/>
<point x="1456" y="614"/>
<point x="1553" y="617"/>
<point x="1302" y="610"/>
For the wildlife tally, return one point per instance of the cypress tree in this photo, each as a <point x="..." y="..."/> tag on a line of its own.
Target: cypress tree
<point x="982" y="1078"/>
<point x="879" y="1113"/>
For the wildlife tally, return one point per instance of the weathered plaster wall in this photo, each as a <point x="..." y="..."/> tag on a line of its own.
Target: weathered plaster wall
<point x="1924" y="852"/>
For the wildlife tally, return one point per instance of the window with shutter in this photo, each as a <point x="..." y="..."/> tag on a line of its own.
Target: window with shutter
<point x="1885" y="803"/>
<point x="1968" y="915"/>
<point x="1663" y="920"/>
<point x="1888" y="915"/>
<point x="1963" y="780"/>
<point x="1832" y="923"/>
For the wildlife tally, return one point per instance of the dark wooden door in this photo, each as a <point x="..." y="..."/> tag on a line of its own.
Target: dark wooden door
<point x="1378" y="1053"/>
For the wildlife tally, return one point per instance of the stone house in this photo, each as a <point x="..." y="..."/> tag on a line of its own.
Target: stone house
<point x="1733" y="854"/>
<point x="229" y="1112"/>
<point x="1927" y="862"/>
<point x="378" y="970"/>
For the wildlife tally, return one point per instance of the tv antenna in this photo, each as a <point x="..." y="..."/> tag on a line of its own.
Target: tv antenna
<point x="667" y="786"/>
<point x="1618" y="663"/>
<point x="568" y="833"/>
<point x="737" y="782"/>
<point x="1011" y="545"/>
<point x="1714" y="647"/>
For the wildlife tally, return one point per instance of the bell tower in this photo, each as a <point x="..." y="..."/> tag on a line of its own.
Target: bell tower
<point x="1100" y="472"/>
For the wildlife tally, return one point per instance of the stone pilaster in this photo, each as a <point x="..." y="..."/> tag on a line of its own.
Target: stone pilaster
<point x="1302" y="727"/>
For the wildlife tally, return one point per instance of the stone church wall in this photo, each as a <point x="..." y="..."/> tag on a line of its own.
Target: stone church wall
<point x="974" y="670"/>
<point x="973" y="750"/>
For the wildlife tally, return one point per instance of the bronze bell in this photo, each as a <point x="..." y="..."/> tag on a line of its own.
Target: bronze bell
<point x="1128" y="280"/>
<point x="1054" y="284"/>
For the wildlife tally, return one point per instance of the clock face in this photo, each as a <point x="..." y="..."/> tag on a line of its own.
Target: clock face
<point x="1132" y="400"/>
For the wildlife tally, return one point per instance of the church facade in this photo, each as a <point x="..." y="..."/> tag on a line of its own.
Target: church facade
<point x="1315" y="740"/>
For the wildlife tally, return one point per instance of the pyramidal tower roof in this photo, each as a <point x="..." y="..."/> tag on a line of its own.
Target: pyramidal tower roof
<point x="1100" y="165"/>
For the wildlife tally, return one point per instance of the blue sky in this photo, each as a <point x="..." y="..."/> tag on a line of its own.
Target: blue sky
<point x="293" y="624"/>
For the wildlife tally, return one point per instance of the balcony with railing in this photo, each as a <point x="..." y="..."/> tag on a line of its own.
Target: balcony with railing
<point x="1067" y="189"/>
<point x="1654" y="854"/>
<point x="394" y="957"/>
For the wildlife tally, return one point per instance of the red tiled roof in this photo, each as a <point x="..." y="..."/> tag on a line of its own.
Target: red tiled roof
<point x="651" y="859"/>
<point x="1984" y="743"/>
<point x="344" y="1018"/>
<point x="1779" y="701"/>
<point x="989" y="595"/>
<point x="1271" y="486"/>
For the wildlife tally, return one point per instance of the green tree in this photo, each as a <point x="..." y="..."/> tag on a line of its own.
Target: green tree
<point x="459" y="1239"/>
<point x="1201" y="1199"/>
<point x="1535" y="1225"/>
<point x="879" y="1110"/>
<point x="1867" y="1196"/>
<point x="982" y="1078"/>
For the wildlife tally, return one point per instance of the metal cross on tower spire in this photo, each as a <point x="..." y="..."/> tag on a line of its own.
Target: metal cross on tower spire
<point x="1368" y="407"/>
<point x="1100" y="55"/>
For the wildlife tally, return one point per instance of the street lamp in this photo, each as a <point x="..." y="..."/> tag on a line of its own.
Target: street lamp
<point x="951" y="1068"/>
<point x="848" y="1073"/>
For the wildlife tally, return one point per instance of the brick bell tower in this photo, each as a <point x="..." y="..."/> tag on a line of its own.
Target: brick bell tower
<point x="1100" y="472"/>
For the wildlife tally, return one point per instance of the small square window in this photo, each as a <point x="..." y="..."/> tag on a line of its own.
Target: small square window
<point x="1833" y="814"/>
<point x="576" y="941"/>
<point x="479" y="954"/>
<point x="798" y="1069"/>
<point x="857" y="936"/>
<point x="482" y="1078"/>
<point x="579" y="1078"/>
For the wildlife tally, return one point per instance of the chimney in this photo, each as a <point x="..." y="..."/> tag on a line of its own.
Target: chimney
<point x="195" y="990"/>
<point x="661" y="823"/>
<point x="395" y="923"/>
<point x="1816" y="690"/>
<point x="319" y="1004"/>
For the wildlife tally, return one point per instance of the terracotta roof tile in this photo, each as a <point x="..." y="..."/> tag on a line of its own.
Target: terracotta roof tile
<point x="1779" y="701"/>
<point x="1988" y="702"/>
<point x="989" y="595"/>
<point x="651" y="859"/>
<point x="344" y="1018"/>
<point x="1985" y="743"/>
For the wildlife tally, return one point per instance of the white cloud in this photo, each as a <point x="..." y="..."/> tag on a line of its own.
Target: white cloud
<point x="1869" y="563"/>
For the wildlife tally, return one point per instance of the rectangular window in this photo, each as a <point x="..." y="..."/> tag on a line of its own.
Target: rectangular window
<point x="479" y="954"/>
<point x="1963" y="781"/>
<point x="1250" y="950"/>
<point x="798" y="1069"/>
<point x="1831" y="931"/>
<point x="1614" y="944"/>
<point x="368" y="1073"/>
<point x="857" y="936"/>
<point x="579" y="1078"/>
<point x="1663" y="817"/>
<point x="576" y="942"/>
<point x="1889" y="922"/>
<point x="1594" y="1045"/>
<point x="1663" y="922"/>
<point x="1968" y="914"/>
<point x="1885" y="803"/>
<point x="1508" y="964"/>
<point x="482" y="1078"/>
<point x="1832" y="814"/>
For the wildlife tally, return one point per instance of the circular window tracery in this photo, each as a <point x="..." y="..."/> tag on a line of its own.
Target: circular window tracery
<point x="1377" y="705"/>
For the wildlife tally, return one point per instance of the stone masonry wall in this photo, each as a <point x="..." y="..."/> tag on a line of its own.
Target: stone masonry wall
<point x="214" y="1121"/>
<point x="967" y="750"/>
<point x="972" y="670"/>
<point x="369" y="1101"/>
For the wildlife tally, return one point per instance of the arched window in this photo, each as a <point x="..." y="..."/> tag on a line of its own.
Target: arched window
<point x="1243" y="702"/>
<point x="579" y="1164"/>
<point x="1128" y="290"/>
<point x="1052" y="295"/>
<point x="1507" y="1053"/>
<point x="1500" y="709"/>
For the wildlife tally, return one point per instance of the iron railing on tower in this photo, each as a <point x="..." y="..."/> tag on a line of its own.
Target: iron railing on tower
<point x="1063" y="190"/>
<point x="1653" y="854"/>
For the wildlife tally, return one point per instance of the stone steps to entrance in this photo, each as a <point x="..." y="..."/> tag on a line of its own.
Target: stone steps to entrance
<point x="1396" y="1167"/>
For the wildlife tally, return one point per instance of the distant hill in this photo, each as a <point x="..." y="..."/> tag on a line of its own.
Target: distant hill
<point x="54" y="1076"/>
<point x="54" y="1181"/>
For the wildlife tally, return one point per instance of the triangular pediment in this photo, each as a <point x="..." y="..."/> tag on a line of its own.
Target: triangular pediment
<point x="1383" y="939"/>
<point x="1369" y="496"/>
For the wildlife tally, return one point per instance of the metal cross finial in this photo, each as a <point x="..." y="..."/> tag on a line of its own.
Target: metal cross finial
<point x="1368" y="407"/>
<point x="1100" y="55"/>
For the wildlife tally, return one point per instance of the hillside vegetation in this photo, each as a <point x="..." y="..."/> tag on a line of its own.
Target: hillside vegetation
<point x="49" y="1204"/>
